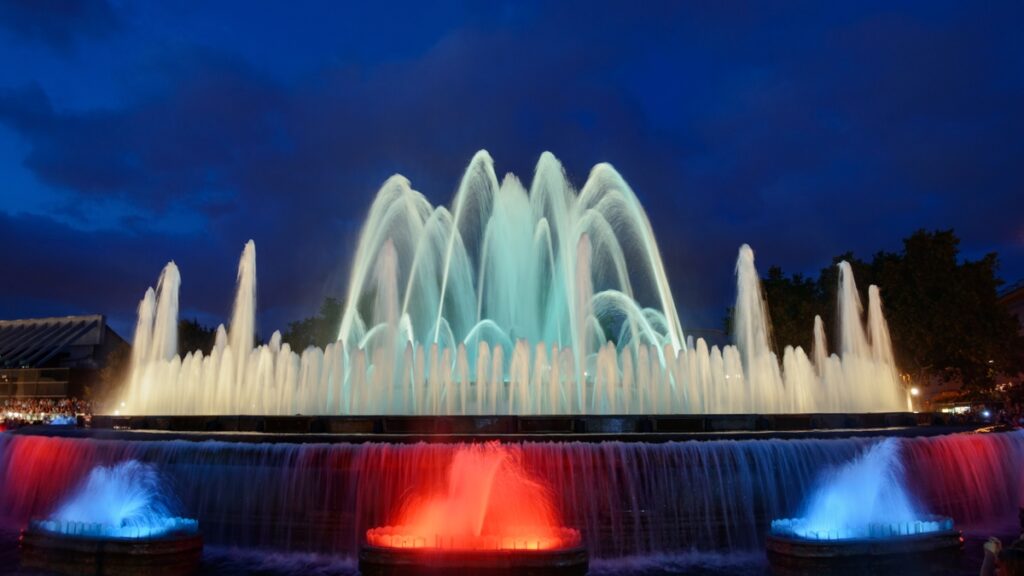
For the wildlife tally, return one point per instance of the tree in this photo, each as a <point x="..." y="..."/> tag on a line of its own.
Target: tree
<point x="111" y="376"/>
<point x="194" y="336"/>
<point x="793" y="301"/>
<point x="943" y="312"/>
<point x="319" y="330"/>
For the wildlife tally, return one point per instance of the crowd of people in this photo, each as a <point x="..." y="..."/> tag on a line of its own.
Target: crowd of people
<point x="15" y="412"/>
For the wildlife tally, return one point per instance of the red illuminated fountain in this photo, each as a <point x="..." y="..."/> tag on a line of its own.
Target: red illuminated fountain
<point x="492" y="518"/>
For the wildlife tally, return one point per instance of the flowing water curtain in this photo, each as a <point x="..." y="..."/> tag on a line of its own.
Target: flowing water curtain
<point x="627" y="499"/>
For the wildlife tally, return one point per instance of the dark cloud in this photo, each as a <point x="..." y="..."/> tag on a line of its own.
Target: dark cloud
<point x="60" y="24"/>
<point x="804" y="129"/>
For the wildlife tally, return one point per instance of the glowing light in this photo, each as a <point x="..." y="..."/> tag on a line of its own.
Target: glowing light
<point x="122" y="501"/>
<point x="490" y="503"/>
<point x="915" y="391"/>
<point x="865" y="498"/>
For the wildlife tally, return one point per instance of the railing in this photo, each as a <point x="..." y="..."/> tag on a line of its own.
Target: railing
<point x="34" y="383"/>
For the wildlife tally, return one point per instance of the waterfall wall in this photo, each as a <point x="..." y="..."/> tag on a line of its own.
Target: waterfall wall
<point x="627" y="499"/>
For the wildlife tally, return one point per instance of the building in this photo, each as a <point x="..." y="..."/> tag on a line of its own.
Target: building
<point x="56" y="357"/>
<point x="1013" y="298"/>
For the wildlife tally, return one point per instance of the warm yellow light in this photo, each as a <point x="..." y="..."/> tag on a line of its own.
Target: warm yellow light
<point x="915" y="391"/>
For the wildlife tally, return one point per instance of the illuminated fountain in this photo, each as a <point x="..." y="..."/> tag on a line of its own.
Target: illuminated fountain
<point x="547" y="301"/>
<point x="860" y="511"/>
<point x="627" y="499"/>
<point x="491" y="514"/>
<point x="544" y="301"/>
<point x="119" y="520"/>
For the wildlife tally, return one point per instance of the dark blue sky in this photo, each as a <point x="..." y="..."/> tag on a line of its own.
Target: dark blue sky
<point x="136" y="133"/>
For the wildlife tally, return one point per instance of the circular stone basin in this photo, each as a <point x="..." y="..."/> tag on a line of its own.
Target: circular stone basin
<point x="393" y="551"/>
<point x="80" y="549"/>
<point x="910" y="548"/>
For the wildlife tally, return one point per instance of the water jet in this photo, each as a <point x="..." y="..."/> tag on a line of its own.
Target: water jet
<point x="117" y="522"/>
<point x="492" y="517"/>
<point x="859" y="516"/>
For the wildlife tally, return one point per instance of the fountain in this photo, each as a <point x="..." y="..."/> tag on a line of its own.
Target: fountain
<point x="491" y="515"/>
<point x="449" y="312"/>
<point x="627" y="499"/>
<point x="118" y="521"/>
<point x="860" y="512"/>
<point x="534" y="306"/>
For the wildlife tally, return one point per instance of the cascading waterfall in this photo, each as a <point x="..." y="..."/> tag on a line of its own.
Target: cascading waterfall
<point x="545" y="301"/>
<point x="626" y="499"/>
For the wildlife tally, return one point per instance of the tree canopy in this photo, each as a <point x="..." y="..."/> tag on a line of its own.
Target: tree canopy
<point x="943" y="311"/>
<point x="319" y="330"/>
<point x="194" y="336"/>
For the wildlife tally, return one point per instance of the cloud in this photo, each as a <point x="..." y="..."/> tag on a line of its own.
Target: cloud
<point x="60" y="24"/>
<point x="804" y="130"/>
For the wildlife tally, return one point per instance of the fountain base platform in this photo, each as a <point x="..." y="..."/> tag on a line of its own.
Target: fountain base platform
<point x="912" y="554"/>
<point x="382" y="561"/>
<point x="171" y="555"/>
<point x="586" y="428"/>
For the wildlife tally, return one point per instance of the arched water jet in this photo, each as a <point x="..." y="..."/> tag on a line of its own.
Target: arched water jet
<point x="456" y="312"/>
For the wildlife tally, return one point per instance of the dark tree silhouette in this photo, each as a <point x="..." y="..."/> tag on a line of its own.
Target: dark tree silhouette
<point x="319" y="330"/>
<point x="943" y="311"/>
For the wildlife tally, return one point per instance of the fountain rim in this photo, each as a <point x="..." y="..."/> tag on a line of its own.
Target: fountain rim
<point x="462" y="429"/>
<point x="373" y="559"/>
<point x="170" y="554"/>
<point x="796" y="547"/>
<point x="782" y="535"/>
<point x="35" y="527"/>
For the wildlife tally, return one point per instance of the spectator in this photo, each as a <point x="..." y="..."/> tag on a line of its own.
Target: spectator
<point x="16" y="412"/>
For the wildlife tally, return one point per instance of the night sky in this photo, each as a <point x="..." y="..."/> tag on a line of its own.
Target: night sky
<point x="136" y="133"/>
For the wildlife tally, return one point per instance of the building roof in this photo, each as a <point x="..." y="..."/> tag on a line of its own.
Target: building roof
<point x="33" y="342"/>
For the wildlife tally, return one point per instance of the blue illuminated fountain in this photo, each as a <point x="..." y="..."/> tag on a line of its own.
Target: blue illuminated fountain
<point x="859" y="510"/>
<point x="119" y="520"/>
<point x="126" y="500"/>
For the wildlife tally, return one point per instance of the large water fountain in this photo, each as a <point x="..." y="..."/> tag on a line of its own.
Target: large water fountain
<point x="544" y="301"/>
<point x="547" y="301"/>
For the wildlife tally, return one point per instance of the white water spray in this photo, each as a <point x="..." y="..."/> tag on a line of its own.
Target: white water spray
<point x="514" y="302"/>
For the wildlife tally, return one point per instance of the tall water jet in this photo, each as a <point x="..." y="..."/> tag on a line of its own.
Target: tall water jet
<point x="881" y="343"/>
<point x="165" y="324"/>
<point x="752" y="330"/>
<point x="852" y="339"/>
<point x="242" y="328"/>
<point x="156" y="337"/>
